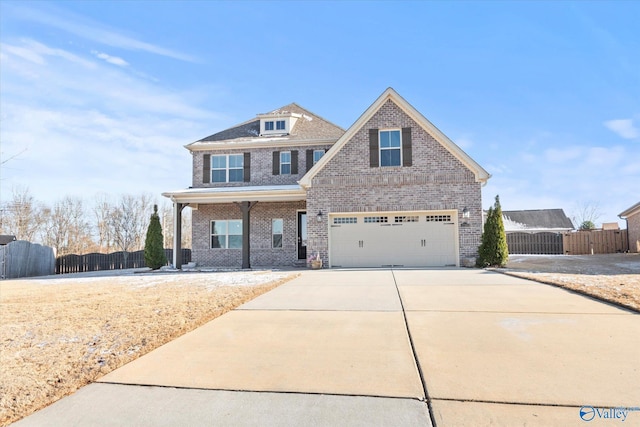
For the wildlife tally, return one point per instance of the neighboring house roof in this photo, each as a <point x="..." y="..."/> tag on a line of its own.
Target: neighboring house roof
<point x="308" y="127"/>
<point x="261" y="193"/>
<point x="5" y="239"/>
<point x="390" y="94"/>
<point x="633" y="210"/>
<point x="536" y="219"/>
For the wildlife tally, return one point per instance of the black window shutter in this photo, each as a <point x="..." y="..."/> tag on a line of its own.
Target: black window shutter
<point x="276" y="163"/>
<point x="374" y="157"/>
<point x="294" y="162"/>
<point x="206" y="169"/>
<point x="247" y="167"/>
<point x="406" y="147"/>
<point x="309" y="159"/>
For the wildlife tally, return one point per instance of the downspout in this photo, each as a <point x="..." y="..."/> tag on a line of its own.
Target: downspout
<point x="626" y="220"/>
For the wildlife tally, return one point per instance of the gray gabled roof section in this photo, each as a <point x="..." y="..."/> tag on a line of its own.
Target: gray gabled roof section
<point x="554" y="219"/>
<point x="5" y="239"/>
<point x="309" y="126"/>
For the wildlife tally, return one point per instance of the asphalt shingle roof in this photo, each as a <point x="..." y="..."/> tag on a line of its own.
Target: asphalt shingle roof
<point x="309" y="126"/>
<point x="539" y="218"/>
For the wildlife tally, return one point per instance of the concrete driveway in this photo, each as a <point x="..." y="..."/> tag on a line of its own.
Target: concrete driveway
<point x="380" y="347"/>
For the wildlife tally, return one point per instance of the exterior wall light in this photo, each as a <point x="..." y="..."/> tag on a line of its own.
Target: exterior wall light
<point x="465" y="216"/>
<point x="319" y="216"/>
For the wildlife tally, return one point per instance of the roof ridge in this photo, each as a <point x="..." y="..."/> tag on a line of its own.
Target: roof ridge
<point x="310" y="112"/>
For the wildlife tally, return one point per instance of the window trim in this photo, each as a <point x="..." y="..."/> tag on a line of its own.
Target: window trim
<point x="227" y="168"/>
<point x="274" y="234"/>
<point x="282" y="163"/>
<point x="380" y="148"/>
<point x="226" y="234"/>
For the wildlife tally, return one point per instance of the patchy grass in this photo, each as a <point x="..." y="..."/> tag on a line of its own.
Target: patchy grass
<point x="613" y="277"/>
<point x="59" y="334"/>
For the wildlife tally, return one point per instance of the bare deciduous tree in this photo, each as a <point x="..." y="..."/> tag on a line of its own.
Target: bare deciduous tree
<point x="66" y="228"/>
<point x="102" y="209"/>
<point x="586" y="211"/>
<point x="129" y="220"/>
<point x="166" y="220"/>
<point x="22" y="215"/>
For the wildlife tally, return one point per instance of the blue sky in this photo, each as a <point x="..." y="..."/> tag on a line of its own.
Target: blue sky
<point x="103" y="95"/>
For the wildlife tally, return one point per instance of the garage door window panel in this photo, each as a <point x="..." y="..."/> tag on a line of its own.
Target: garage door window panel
<point x="376" y="219"/>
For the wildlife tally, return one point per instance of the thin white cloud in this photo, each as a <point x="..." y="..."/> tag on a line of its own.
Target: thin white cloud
<point x="557" y="177"/>
<point x="91" y="127"/>
<point x="624" y="128"/>
<point x="563" y="155"/>
<point x="35" y="52"/>
<point x="88" y="29"/>
<point x="110" y="59"/>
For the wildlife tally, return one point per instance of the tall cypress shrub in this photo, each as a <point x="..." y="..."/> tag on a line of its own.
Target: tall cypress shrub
<point x="154" y="255"/>
<point x="493" y="251"/>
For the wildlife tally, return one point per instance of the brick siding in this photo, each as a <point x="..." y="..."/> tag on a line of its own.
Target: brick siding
<point x="437" y="180"/>
<point x="261" y="166"/>
<point x="633" y="228"/>
<point x="262" y="254"/>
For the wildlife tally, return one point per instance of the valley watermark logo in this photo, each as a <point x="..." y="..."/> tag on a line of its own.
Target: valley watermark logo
<point x="588" y="413"/>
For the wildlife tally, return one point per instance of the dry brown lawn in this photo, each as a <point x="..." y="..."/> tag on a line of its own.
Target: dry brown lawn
<point x="612" y="277"/>
<point x="59" y="334"/>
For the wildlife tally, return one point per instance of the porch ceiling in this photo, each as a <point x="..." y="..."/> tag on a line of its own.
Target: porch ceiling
<point x="265" y="193"/>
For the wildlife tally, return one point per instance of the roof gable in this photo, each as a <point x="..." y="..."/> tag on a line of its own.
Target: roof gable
<point x="308" y="126"/>
<point x="481" y="175"/>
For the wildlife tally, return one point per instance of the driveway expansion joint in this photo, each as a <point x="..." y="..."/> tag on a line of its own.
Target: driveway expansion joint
<point x="230" y="390"/>
<point x="501" y="402"/>
<point x="427" y="400"/>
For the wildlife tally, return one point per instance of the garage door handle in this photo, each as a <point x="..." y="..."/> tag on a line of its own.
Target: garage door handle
<point x="361" y="243"/>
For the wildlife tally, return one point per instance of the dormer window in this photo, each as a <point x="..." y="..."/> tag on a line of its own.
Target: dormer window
<point x="277" y="123"/>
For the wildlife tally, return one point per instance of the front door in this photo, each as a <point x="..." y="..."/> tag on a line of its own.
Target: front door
<point x="302" y="235"/>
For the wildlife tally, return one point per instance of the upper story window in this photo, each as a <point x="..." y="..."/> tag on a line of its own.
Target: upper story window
<point x="285" y="163"/>
<point x="274" y="126"/>
<point x="390" y="148"/>
<point x="227" y="168"/>
<point x="317" y="155"/>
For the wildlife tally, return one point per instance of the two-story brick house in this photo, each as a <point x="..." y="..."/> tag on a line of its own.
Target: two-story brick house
<point x="390" y="190"/>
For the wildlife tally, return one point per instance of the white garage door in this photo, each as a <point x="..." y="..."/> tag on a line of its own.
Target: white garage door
<point x="408" y="239"/>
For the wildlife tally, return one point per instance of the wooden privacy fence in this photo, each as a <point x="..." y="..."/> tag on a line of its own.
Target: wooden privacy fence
<point x="545" y="243"/>
<point x="24" y="259"/>
<point x="595" y="242"/>
<point x="114" y="261"/>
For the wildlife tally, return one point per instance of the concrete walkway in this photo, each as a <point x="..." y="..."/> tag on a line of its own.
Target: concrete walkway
<point x="380" y="347"/>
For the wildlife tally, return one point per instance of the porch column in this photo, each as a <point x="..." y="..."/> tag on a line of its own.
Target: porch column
<point x="245" y="207"/>
<point x="177" y="234"/>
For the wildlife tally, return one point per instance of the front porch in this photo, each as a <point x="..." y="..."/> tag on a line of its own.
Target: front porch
<point x="242" y="227"/>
